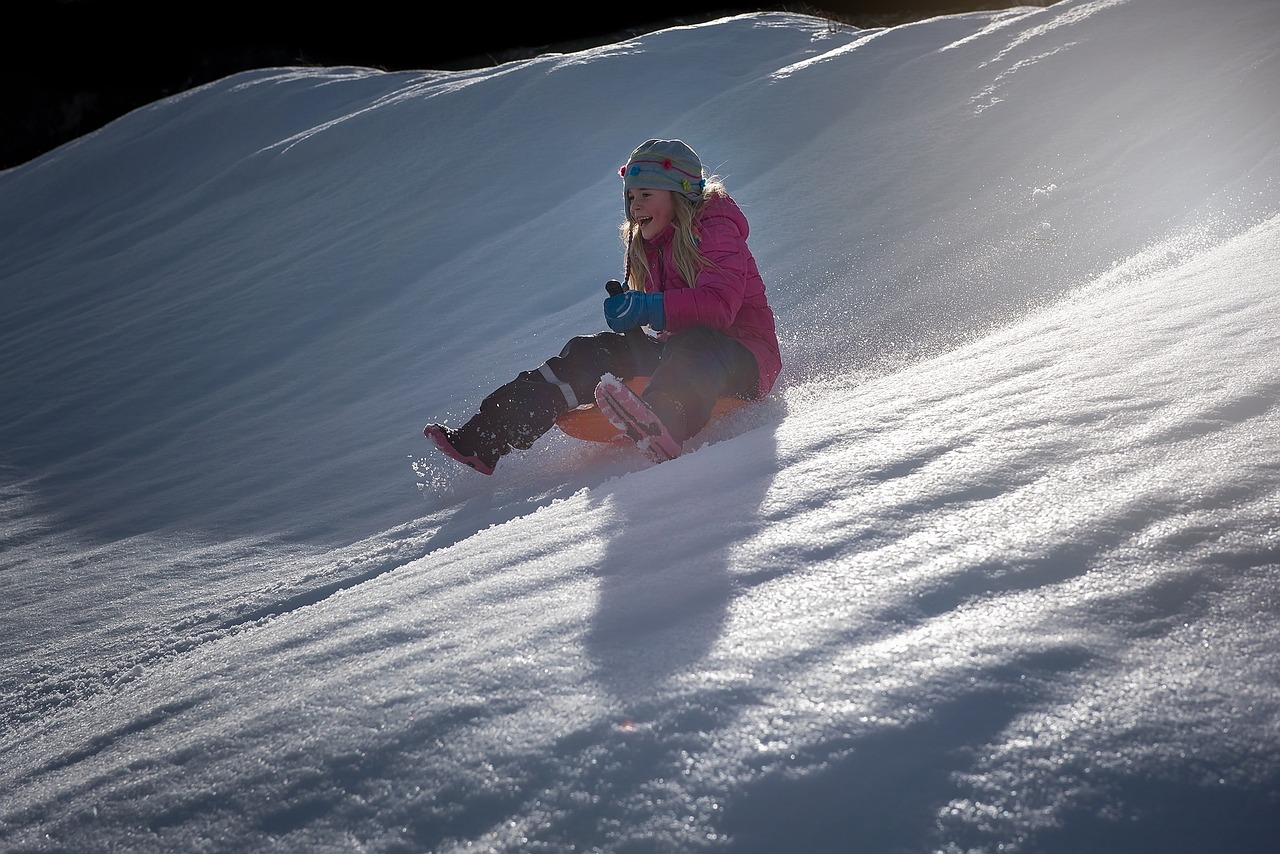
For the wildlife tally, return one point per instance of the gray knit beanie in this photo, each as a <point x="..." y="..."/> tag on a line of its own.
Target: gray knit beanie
<point x="664" y="164"/>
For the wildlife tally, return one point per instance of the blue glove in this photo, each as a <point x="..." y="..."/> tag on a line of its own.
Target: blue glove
<point x="633" y="309"/>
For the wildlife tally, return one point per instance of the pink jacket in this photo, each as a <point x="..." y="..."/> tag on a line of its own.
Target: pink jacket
<point x="730" y="293"/>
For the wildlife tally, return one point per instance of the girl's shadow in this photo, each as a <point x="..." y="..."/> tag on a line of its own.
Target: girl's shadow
<point x="665" y="586"/>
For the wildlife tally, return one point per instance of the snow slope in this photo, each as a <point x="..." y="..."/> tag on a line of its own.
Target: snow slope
<point x="993" y="570"/>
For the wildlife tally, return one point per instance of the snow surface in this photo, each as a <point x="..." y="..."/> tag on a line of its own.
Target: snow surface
<point x="995" y="568"/>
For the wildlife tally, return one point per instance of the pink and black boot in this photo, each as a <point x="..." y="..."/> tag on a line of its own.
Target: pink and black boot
<point x="513" y="416"/>
<point x="633" y="416"/>
<point x="455" y="443"/>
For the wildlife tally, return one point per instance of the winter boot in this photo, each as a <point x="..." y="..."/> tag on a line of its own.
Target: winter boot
<point x="466" y="449"/>
<point x="514" y="416"/>
<point x="631" y="415"/>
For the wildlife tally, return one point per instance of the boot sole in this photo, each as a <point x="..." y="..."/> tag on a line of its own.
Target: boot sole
<point x="635" y="419"/>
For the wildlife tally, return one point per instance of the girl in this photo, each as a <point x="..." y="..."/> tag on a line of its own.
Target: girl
<point x="691" y="279"/>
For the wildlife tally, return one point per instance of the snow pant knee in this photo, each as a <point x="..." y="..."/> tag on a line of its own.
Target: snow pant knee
<point x="586" y="358"/>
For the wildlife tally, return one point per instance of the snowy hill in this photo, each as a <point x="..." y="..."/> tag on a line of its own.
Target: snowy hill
<point x="993" y="569"/>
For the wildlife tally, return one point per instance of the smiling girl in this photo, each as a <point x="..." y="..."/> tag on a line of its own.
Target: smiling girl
<point x="690" y="277"/>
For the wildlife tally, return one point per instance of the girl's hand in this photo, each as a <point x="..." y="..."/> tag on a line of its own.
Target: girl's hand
<point x="633" y="309"/>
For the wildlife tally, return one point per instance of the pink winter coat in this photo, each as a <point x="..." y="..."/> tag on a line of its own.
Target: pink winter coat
<point x="730" y="293"/>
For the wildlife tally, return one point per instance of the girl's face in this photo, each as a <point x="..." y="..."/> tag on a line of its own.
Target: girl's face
<point x="652" y="210"/>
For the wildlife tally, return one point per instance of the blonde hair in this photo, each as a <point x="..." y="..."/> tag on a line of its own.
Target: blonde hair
<point x="689" y="260"/>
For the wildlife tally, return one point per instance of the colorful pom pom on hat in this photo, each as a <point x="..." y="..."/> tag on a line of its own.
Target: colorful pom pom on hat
<point x="664" y="164"/>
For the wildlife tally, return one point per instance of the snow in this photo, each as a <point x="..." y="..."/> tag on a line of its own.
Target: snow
<point x="994" y="568"/>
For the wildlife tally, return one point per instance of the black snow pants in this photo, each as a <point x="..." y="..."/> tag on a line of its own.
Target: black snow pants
<point x="688" y="371"/>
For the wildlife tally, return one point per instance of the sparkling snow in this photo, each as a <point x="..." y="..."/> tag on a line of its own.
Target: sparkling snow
<point x="995" y="568"/>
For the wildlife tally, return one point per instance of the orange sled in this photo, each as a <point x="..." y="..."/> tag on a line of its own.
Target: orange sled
<point x="588" y="424"/>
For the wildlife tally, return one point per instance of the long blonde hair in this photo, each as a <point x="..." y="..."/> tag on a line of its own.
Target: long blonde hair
<point x="689" y="260"/>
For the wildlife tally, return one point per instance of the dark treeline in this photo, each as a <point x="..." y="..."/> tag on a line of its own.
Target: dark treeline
<point x="72" y="66"/>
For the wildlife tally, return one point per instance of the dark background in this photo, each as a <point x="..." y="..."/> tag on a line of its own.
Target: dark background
<point x="67" y="67"/>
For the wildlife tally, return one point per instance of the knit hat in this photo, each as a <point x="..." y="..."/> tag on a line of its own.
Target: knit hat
<point x="664" y="164"/>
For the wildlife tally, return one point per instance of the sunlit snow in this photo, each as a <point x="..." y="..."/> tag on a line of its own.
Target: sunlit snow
<point x="994" y="568"/>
